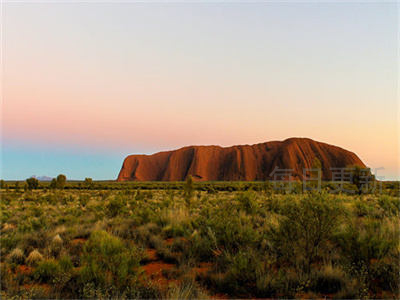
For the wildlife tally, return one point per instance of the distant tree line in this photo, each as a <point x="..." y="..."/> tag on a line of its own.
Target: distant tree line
<point x="56" y="183"/>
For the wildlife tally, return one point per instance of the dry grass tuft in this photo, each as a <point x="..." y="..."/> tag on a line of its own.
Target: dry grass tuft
<point x="16" y="256"/>
<point x="34" y="258"/>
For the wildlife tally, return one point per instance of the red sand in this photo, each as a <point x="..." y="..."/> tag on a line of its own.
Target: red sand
<point x="202" y="269"/>
<point x="154" y="271"/>
<point x="78" y="241"/>
<point x="151" y="254"/>
<point x="24" y="270"/>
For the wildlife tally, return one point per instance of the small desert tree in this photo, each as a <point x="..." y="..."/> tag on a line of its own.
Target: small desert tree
<point x="88" y="182"/>
<point x="361" y="178"/>
<point x="53" y="183"/>
<point x="60" y="181"/>
<point x="306" y="229"/>
<point x="32" y="183"/>
<point x="189" y="189"/>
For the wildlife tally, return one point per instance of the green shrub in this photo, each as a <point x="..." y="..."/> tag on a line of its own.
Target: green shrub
<point x="230" y="230"/>
<point x="46" y="271"/>
<point x="361" y="244"/>
<point x="391" y="205"/>
<point x="247" y="202"/>
<point x="65" y="263"/>
<point x="116" y="206"/>
<point x="241" y="271"/>
<point x="107" y="262"/>
<point x="370" y="252"/>
<point x="306" y="229"/>
<point x="362" y="209"/>
<point x="201" y="247"/>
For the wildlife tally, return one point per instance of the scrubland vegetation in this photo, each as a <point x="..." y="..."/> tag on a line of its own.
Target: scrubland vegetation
<point x="98" y="240"/>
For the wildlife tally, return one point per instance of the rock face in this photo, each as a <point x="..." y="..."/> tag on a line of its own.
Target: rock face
<point x="255" y="162"/>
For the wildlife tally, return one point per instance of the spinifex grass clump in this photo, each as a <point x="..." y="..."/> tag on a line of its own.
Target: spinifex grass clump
<point x="56" y="245"/>
<point x="16" y="256"/>
<point x="34" y="258"/>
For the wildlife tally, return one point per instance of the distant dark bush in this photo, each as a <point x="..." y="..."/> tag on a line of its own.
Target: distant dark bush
<point x="32" y="183"/>
<point x="53" y="184"/>
<point x="61" y="181"/>
<point x="88" y="182"/>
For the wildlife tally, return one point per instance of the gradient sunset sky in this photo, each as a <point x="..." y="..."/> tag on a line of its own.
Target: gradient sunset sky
<point x="85" y="84"/>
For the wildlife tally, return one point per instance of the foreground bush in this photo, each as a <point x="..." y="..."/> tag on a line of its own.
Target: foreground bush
<point x="47" y="271"/>
<point x="306" y="229"/>
<point x="108" y="264"/>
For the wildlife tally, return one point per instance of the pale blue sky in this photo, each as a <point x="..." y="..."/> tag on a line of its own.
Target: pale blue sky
<point x="86" y="84"/>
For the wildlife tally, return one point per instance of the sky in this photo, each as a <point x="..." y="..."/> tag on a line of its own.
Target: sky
<point x="86" y="84"/>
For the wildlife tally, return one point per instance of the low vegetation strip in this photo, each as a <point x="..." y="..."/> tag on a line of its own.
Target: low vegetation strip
<point x="383" y="187"/>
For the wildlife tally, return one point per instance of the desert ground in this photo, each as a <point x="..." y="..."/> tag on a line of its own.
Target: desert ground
<point x="197" y="240"/>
